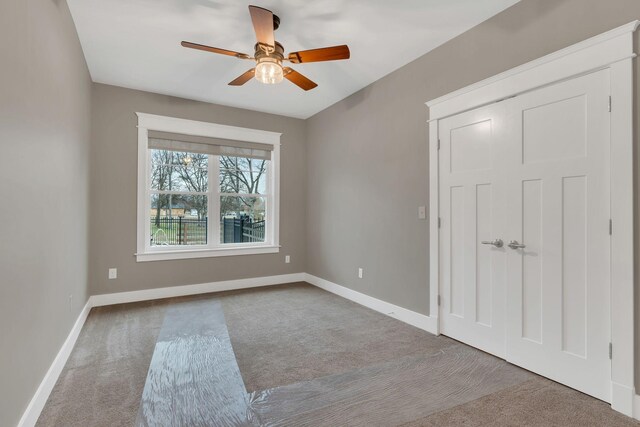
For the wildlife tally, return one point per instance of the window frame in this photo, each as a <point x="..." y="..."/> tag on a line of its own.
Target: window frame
<point x="146" y="252"/>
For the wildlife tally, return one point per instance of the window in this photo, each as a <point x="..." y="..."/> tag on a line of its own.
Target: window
<point x="205" y="189"/>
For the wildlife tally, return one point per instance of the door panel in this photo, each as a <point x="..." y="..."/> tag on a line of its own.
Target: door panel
<point x="567" y="139"/>
<point x="472" y="147"/>
<point x="457" y="270"/>
<point x="574" y="255"/>
<point x="558" y="206"/>
<point x="532" y="264"/>
<point x="484" y="272"/>
<point x="472" y="210"/>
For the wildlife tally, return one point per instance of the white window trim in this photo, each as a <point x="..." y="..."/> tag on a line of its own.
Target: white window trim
<point x="613" y="50"/>
<point x="148" y="122"/>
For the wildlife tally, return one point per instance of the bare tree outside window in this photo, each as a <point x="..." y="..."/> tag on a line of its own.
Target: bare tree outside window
<point x="180" y="197"/>
<point x="193" y="173"/>
<point x="161" y="178"/>
<point x="242" y="176"/>
<point x="179" y="200"/>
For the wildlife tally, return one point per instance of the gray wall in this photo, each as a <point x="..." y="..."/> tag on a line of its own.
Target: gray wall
<point x="44" y="135"/>
<point x="367" y="155"/>
<point x="113" y="194"/>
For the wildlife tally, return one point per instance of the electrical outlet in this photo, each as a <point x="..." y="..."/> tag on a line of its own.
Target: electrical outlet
<point x="422" y="212"/>
<point x="287" y="259"/>
<point x="113" y="273"/>
<point x="360" y="272"/>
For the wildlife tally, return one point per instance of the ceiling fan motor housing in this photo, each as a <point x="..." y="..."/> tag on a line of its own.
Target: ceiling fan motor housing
<point x="261" y="51"/>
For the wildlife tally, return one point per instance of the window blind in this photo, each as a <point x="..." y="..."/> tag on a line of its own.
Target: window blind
<point x="204" y="145"/>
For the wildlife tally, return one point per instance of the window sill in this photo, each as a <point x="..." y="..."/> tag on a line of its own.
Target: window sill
<point x="204" y="253"/>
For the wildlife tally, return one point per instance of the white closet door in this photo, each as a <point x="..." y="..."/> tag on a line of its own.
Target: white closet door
<point x="472" y="210"/>
<point x="558" y="207"/>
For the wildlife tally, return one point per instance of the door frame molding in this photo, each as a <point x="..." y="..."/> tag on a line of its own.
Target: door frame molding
<point x="612" y="50"/>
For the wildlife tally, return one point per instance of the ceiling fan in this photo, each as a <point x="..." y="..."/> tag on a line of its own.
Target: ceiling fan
<point x="269" y="54"/>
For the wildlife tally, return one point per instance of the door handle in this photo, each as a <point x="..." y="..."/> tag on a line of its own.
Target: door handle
<point x="515" y="245"/>
<point x="498" y="243"/>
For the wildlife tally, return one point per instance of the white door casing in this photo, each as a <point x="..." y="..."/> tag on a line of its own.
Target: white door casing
<point x="613" y="51"/>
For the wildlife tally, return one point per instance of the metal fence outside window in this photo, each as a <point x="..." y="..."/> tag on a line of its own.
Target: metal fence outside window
<point x="174" y="231"/>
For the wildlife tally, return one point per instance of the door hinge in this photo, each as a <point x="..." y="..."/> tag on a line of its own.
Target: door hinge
<point x="609" y="103"/>
<point x="439" y="301"/>
<point x="439" y="222"/>
<point x="610" y="227"/>
<point x="438" y="143"/>
<point x="610" y="351"/>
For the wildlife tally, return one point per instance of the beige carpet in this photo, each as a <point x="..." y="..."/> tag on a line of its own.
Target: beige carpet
<point x="299" y="332"/>
<point x="538" y="402"/>
<point x="302" y="357"/>
<point x="101" y="384"/>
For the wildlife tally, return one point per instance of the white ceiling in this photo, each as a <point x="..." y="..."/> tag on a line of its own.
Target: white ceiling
<point x="136" y="44"/>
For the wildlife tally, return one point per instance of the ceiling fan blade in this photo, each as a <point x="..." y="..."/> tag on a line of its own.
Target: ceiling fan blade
<point x="263" y="25"/>
<point x="298" y="79"/>
<point x="215" y="50"/>
<point x="333" y="53"/>
<point x="243" y="78"/>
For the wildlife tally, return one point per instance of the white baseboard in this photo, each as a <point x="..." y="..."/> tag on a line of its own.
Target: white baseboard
<point x="202" y="288"/>
<point x="636" y="406"/>
<point x="418" y="320"/>
<point x="623" y="399"/>
<point x="31" y="414"/>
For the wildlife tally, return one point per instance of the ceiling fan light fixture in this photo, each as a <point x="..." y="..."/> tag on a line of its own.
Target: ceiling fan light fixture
<point x="269" y="71"/>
